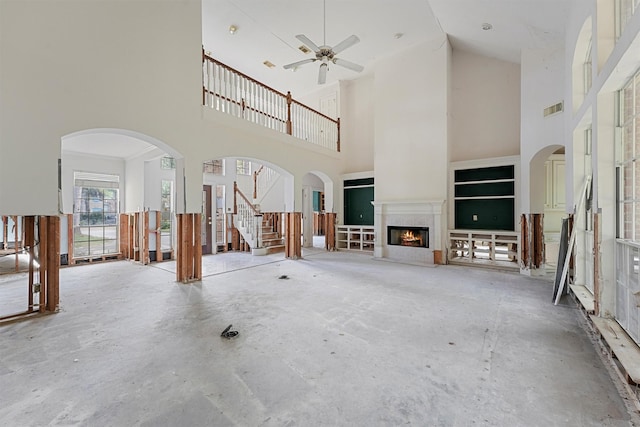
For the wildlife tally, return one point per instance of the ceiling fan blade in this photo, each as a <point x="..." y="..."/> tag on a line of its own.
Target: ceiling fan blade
<point x="297" y="64"/>
<point x="348" y="64"/>
<point x="322" y="76"/>
<point x="308" y="42"/>
<point x="348" y="42"/>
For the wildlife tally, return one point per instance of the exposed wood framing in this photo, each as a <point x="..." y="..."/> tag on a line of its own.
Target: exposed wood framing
<point x="319" y="224"/>
<point x="5" y="231"/>
<point x="16" y="246"/>
<point x="70" y="260"/>
<point x="189" y="249"/>
<point x="124" y="236"/>
<point x="524" y="244"/>
<point x="597" y="259"/>
<point x="330" y="231"/>
<point x="293" y="235"/>
<point x="29" y="243"/>
<point x="532" y="245"/>
<point x="145" y="238"/>
<point x="158" y="232"/>
<point x="538" y="239"/>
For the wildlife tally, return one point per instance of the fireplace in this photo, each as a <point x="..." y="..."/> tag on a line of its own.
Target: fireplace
<point x="416" y="237"/>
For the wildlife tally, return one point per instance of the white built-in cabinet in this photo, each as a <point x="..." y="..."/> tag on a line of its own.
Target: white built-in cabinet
<point x="555" y="192"/>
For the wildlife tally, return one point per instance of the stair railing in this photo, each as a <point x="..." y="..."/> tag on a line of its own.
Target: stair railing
<point x="263" y="179"/>
<point x="247" y="219"/>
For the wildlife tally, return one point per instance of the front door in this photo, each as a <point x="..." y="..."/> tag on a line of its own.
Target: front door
<point x="206" y="220"/>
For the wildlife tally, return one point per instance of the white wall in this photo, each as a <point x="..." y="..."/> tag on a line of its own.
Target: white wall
<point x="485" y="107"/>
<point x="543" y="85"/>
<point x="357" y="125"/>
<point x="79" y="65"/>
<point x="136" y="68"/>
<point x="411" y="140"/>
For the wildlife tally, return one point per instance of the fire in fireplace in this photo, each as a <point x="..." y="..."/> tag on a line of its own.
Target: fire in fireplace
<point x="417" y="237"/>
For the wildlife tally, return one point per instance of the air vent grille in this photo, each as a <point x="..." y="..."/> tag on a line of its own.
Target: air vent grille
<point x="269" y="64"/>
<point x="554" y="109"/>
<point x="304" y="49"/>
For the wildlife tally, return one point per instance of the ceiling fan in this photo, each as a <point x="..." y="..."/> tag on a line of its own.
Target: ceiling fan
<point x="326" y="54"/>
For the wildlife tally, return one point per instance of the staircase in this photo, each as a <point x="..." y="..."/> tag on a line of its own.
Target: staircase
<point x="262" y="232"/>
<point x="272" y="240"/>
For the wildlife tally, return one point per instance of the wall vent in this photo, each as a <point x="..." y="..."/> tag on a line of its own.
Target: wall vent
<point x="269" y="64"/>
<point x="554" y="109"/>
<point x="304" y="49"/>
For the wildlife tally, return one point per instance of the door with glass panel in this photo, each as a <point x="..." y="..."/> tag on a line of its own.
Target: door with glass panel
<point x="95" y="215"/>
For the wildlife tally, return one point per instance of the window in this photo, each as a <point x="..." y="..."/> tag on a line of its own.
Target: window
<point x="166" y="215"/>
<point x="587" y="69"/>
<point x="214" y="167"/>
<point x="624" y="10"/>
<point x="628" y="164"/>
<point x="95" y="215"/>
<point x="167" y="163"/>
<point x="588" y="206"/>
<point x="243" y="167"/>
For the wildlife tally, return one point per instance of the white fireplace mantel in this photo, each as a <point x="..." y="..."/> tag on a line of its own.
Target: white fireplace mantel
<point x="410" y="213"/>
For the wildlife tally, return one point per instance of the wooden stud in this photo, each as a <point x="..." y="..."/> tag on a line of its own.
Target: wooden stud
<point x="53" y="273"/>
<point x="538" y="240"/>
<point x="29" y="240"/>
<point x="190" y="248"/>
<point x="43" y="260"/>
<point x="524" y="245"/>
<point x="197" y="245"/>
<point x="597" y="241"/>
<point x="5" y="232"/>
<point x="159" y="257"/>
<point x="330" y="231"/>
<point x="293" y="245"/>
<point x="124" y="224"/>
<point x="70" y="234"/>
<point x="179" y="248"/>
<point x="145" y="238"/>
<point x="16" y="243"/>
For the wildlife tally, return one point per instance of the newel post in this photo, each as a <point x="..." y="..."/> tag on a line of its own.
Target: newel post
<point x="204" y="90"/>
<point x="289" y="127"/>
<point x="338" y="124"/>
<point x="235" y="201"/>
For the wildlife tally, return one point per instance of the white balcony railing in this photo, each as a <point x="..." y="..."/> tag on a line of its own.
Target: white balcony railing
<point x="230" y="91"/>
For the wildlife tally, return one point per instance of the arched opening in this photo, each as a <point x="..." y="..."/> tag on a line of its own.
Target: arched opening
<point x="317" y="201"/>
<point x="235" y="186"/>
<point x="119" y="195"/>
<point x="582" y="65"/>
<point x="547" y="196"/>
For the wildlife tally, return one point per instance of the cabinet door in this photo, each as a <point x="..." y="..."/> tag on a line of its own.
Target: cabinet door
<point x="559" y="192"/>
<point x="548" y="187"/>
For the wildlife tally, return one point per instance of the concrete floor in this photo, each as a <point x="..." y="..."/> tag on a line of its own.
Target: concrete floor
<point x="345" y="340"/>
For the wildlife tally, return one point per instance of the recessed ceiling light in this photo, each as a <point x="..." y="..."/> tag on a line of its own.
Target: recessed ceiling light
<point x="232" y="29"/>
<point x="269" y="64"/>
<point x="486" y="26"/>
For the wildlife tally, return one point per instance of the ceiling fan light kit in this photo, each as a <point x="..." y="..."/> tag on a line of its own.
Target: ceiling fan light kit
<point x="326" y="54"/>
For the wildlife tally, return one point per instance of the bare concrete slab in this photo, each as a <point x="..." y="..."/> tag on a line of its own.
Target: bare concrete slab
<point x="343" y="340"/>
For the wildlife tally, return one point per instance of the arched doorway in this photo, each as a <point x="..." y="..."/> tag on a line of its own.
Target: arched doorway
<point x="119" y="195"/>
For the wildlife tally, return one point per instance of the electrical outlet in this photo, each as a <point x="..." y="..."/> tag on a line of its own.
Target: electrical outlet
<point x="475" y="217"/>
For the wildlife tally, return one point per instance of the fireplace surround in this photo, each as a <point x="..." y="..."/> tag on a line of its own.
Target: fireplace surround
<point x="410" y="214"/>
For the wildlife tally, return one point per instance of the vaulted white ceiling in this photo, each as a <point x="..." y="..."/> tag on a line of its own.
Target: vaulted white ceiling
<point x="266" y="31"/>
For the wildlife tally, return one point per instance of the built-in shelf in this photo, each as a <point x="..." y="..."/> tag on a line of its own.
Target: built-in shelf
<point x="355" y="237"/>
